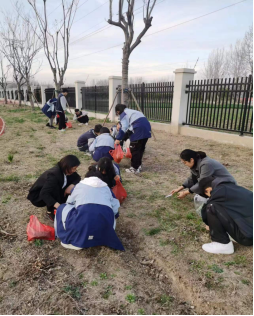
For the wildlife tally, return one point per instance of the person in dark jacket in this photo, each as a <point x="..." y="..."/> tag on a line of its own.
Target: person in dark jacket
<point x="201" y="167"/>
<point x="102" y="144"/>
<point x="81" y="117"/>
<point x="140" y="131"/>
<point x="61" y="107"/>
<point x="228" y="213"/>
<point x="53" y="186"/>
<point x="86" y="139"/>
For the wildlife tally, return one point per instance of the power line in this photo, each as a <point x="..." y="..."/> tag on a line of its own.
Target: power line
<point x="91" y="12"/>
<point x="199" y="17"/>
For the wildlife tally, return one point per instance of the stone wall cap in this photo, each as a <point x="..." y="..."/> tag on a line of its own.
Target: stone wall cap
<point x="80" y="81"/>
<point x="115" y="77"/>
<point x="185" y="70"/>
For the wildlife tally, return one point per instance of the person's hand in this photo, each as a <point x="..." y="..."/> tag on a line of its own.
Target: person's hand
<point x="117" y="178"/>
<point x="207" y="227"/>
<point x="176" y="190"/>
<point x="68" y="189"/>
<point x="117" y="142"/>
<point x="56" y="205"/>
<point x="183" y="194"/>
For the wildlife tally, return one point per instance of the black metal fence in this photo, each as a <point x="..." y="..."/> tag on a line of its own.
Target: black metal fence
<point x="71" y="97"/>
<point x="222" y="104"/>
<point x="49" y="93"/>
<point x="95" y="99"/>
<point x="37" y="94"/>
<point x="154" y="99"/>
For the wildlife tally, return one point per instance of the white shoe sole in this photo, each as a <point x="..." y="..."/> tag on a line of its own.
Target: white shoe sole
<point x="70" y="246"/>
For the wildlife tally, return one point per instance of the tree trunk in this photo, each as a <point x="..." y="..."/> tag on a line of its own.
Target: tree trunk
<point x="29" y="91"/>
<point x="5" y="97"/>
<point x="125" y="71"/>
<point x="57" y="88"/>
<point x="19" y="93"/>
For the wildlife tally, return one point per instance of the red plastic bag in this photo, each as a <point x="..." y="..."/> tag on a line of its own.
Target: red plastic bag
<point x="119" y="191"/>
<point x="128" y="153"/>
<point x="68" y="124"/>
<point x="37" y="230"/>
<point x="117" y="153"/>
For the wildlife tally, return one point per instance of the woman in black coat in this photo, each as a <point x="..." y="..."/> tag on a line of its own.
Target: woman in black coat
<point x="53" y="186"/>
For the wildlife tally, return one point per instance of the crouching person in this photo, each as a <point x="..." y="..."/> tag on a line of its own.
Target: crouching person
<point x="228" y="213"/>
<point x="86" y="139"/>
<point x="102" y="145"/>
<point x="89" y="217"/>
<point x="81" y="117"/>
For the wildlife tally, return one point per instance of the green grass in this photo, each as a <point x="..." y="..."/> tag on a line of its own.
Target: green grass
<point x="107" y="292"/>
<point x="103" y="276"/>
<point x="81" y="276"/>
<point x="164" y="243"/>
<point x="73" y="291"/>
<point x="94" y="283"/>
<point x="128" y="287"/>
<point x="153" y="231"/>
<point x="131" y="298"/>
<point x="215" y="268"/>
<point x="240" y="260"/>
<point x="10" y="158"/>
<point x="141" y="311"/>
<point x="6" y="199"/>
<point x="13" y="284"/>
<point x="9" y="178"/>
<point x="38" y="242"/>
<point x="165" y="299"/>
<point x="246" y="282"/>
<point x="191" y="216"/>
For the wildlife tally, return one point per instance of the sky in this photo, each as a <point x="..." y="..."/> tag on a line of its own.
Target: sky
<point x="158" y="55"/>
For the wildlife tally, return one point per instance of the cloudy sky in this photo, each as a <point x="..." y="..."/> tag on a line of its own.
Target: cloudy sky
<point x="159" y="54"/>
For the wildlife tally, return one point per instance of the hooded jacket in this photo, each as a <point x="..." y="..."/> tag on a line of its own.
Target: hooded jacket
<point x="204" y="168"/>
<point x="236" y="201"/>
<point x="101" y="146"/>
<point x="88" y="218"/>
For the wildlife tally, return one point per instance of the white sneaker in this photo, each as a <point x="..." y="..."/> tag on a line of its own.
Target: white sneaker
<point x="80" y="124"/>
<point x="62" y="130"/>
<point x="70" y="246"/>
<point x="132" y="170"/>
<point x="87" y="154"/>
<point x="218" y="248"/>
<point x="140" y="168"/>
<point x="86" y="124"/>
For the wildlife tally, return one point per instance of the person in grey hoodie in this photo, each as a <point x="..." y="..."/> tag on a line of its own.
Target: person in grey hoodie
<point x="201" y="166"/>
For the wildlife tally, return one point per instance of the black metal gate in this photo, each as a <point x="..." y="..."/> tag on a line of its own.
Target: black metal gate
<point x="222" y="104"/>
<point x="154" y="99"/>
<point x="95" y="99"/>
<point x="71" y="97"/>
<point x="37" y="94"/>
<point x="49" y="93"/>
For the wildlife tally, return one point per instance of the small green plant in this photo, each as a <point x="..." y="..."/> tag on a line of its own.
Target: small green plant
<point x="164" y="243"/>
<point x="107" y="292"/>
<point x="165" y="299"/>
<point x="6" y="199"/>
<point x="81" y="276"/>
<point x="152" y="231"/>
<point x="209" y="275"/>
<point x="10" y="158"/>
<point x="38" y="242"/>
<point x="13" y="284"/>
<point x="229" y="263"/>
<point x="128" y="287"/>
<point x="112" y="276"/>
<point x="246" y="282"/>
<point x="18" y="134"/>
<point x="94" y="283"/>
<point x="131" y="298"/>
<point x="215" y="268"/>
<point x="240" y="260"/>
<point x="73" y="291"/>
<point x="237" y="272"/>
<point x="141" y="311"/>
<point x="190" y="216"/>
<point x="85" y="284"/>
<point x="103" y="276"/>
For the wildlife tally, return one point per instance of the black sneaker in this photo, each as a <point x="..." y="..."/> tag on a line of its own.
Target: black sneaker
<point x="47" y="124"/>
<point x="51" y="216"/>
<point x="52" y="127"/>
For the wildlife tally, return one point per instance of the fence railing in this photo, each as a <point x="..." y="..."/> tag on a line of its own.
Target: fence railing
<point x="222" y="104"/>
<point x="37" y="94"/>
<point x="155" y="100"/>
<point x="95" y="98"/>
<point x="49" y="94"/>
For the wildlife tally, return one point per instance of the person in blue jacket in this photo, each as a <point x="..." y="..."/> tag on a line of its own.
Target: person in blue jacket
<point x="86" y="139"/>
<point x="88" y="218"/>
<point x="50" y="111"/>
<point x="138" y="124"/>
<point x="102" y="145"/>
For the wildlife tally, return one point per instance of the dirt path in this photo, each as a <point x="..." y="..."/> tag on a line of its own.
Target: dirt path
<point x="162" y="271"/>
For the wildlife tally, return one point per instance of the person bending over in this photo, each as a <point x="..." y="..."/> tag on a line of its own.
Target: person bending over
<point x="81" y="117"/>
<point x="140" y="129"/>
<point x="88" y="219"/>
<point x="102" y="145"/>
<point x="201" y="166"/>
<point x="86" y="139"/>
<point x="53" y="186"/>
<point x="61" y="109"/>
<point x="228" y="213"/>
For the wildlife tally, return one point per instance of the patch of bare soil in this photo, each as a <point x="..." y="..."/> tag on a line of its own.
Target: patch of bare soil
<point x="163" y="270"/>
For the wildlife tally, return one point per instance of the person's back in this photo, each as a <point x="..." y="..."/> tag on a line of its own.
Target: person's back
<point x="102" y="145"/>
<point x="88" y="218"/>
<point x="86" y="139"/>
<point x="237" y="202"/>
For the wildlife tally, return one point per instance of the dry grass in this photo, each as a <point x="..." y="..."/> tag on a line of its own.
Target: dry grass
<point x="162" y="271"/>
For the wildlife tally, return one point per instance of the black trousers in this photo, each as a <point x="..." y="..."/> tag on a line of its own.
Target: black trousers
<point x="62" y="124"/>
<point x="83" y="119"/>
<point x="137" y="150"/>
<point x="84" y="148"/>
<point x="220" y="223"/>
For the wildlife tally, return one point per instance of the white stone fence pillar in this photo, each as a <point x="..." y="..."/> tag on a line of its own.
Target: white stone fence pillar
<point x="113" y="83"/>
<point x="180" y="98"/>
<point x="78" y="86"/>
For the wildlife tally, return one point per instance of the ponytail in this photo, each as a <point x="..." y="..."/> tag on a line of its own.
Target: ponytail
<point x="188" y="154"/>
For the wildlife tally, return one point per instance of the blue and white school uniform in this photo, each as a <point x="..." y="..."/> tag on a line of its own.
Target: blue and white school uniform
<point x="101" y="146"/>
<point x="88" y="217"/>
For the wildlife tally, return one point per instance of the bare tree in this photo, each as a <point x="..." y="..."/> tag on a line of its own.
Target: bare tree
<point x="216" y="66"/>
<point x="3" y="79"/>
<point x="51" y="40"/>
<point x="235" y="60"/>
<point x="127" y="25"/>
<point x="248" y="50"/>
